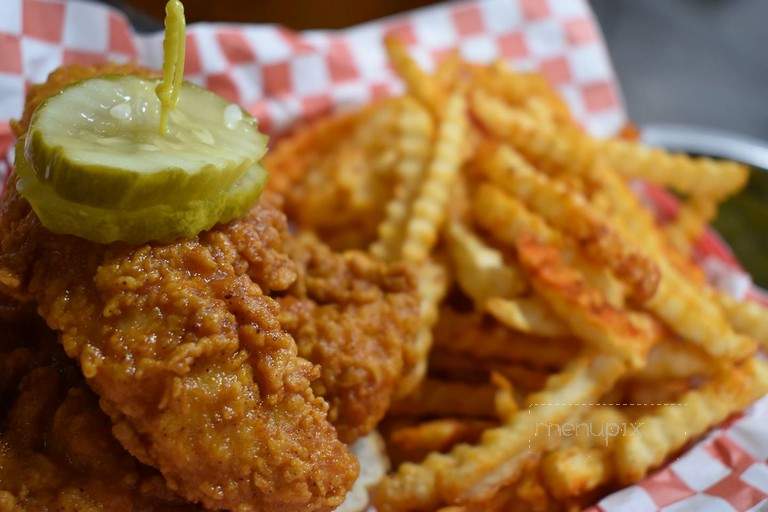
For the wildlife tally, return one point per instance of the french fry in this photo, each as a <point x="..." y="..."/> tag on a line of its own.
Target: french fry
<point x="480" y="269"/>
<point x="476" y="335"/>
<point x="414" y="138"/>
<point x="696" y="317"/>
<point x="697" y="176"/>
<point x="432" y="282"/>
<point x="692" y="220"/>
<point x="672" y="426"/>
<point x="672" y="358"/>
<point x="413" y="442"/>
<point x="575" y="470"/>
<point x="747" y="317"/>
<point x="428" y="211"/>
<point x="288" y="159"/>
<point x="506" y="219"/>
<point x="458" y="365"/>
<point x="440" y="398"/>
<point x="563" y="151"/>
<point x="504" y="400"/>
<point x="473" y="473"/>
<point x="582" y="308"/>
<point x="530" y="315"/>
<point x="570" y="213"/>
<point x="421" y="85"/>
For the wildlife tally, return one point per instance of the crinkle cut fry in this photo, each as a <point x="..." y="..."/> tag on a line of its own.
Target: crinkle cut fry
<point x="553" y="150"/>
<point x="506" y="219"/>
<point x="530" y="315"/>
<point x="686" y="305"/>
<point x="460" y="332"/>
<point x="672" y="426"/>
<point x="481" y="270"/>
<point x="697" y="176"/>
<point x="571" y="213"/>
<point x="583" y="308"/>
<point x="474" y="473"/>
<point x="439" y="397"/>
<point x="414" y="140"/>
<point x="583" y="462"/>
<point x="287" y="160"/>
<point x="519" y="89"/>
<point x="692" y="220"/>
<point x="746" y="316"/>
<point x="432" y="281"/>
<point x="429" y="207"/>
<point x="672" y="358"/>
<point x="696" y="316"/>
<point x="421" y="85"/>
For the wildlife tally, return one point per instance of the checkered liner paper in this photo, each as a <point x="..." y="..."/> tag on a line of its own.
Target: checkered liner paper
<point x="283" y="77"/>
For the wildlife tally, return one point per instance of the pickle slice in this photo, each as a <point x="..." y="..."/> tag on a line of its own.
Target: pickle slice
<point x="98" y="143"/>
<point x="161" y="222"/>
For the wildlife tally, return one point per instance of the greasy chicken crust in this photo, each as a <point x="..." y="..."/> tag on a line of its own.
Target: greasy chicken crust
<point x="56" y="449"/>
<point x="189" y="357"/>
<point x="350" y="314"/>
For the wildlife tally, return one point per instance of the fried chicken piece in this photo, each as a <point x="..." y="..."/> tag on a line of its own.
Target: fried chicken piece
<point x="186" y="348"/>
<point x="56" y="449"/>
<point x="350" y="314"/>
<point x="189" y="357"/>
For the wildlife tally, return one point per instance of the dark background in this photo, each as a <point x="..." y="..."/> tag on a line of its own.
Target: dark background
<point x="700" y="62"/>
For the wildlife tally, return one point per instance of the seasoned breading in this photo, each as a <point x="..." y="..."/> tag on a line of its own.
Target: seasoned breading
<point x="189" y="357"/>
<point x="350" y="315"/>
<point x="56" y="449"/>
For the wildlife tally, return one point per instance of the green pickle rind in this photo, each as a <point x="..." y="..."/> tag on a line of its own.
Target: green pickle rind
<point x="161" y="222"/>
<point x="119" y="188"/>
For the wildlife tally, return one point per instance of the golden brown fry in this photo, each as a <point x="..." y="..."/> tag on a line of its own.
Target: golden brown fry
<point x="288" y="159"/>
<point x="436" y="435"/>
<point x="479" y="336"/>
<point x="573" y="470"/>
<point x="414" y="139"/>
<point x="432" y="284"/>
<point x="696" y="317"/>
<point x="457" y="365"/>
<point x="692" y="220"/>
<point x="429" y="206"/>
<point x="747" y="317"/>
<point x="563" y="151"/>
<point x="569" y="212"/>
<point x="448" y="398"/>
<point x="473" y="473"/>
<point x="423" y="87"/>
<point x="530" y="315"/>
<point x="672" y="358"/>
<point x="672" y="426"/>
<point x="697" y="176"/>
<point x="584" y="309"/>
<point x="506" y="219"/>
<point x="504" y="400"/>
<point x="481" y="270"/>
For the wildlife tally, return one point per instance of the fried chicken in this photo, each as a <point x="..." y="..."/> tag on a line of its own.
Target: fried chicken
<point x="189" y="357"/>
<point x="56" y="449"/>
<point x="190" y="346"/>
<point x="350" y="314"/>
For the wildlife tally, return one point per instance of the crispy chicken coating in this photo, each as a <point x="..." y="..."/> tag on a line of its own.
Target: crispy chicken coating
<point x="189" y="357"/>
<point x="56" y="449"/>
<point x="190" y="345"/>
<point x="350" y="315"/>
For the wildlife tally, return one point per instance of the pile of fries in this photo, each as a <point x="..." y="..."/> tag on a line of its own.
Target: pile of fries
<point x="569" y="345"/>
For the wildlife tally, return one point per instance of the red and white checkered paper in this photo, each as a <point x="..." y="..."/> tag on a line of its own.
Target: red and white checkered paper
<point x="283" y="76"/>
